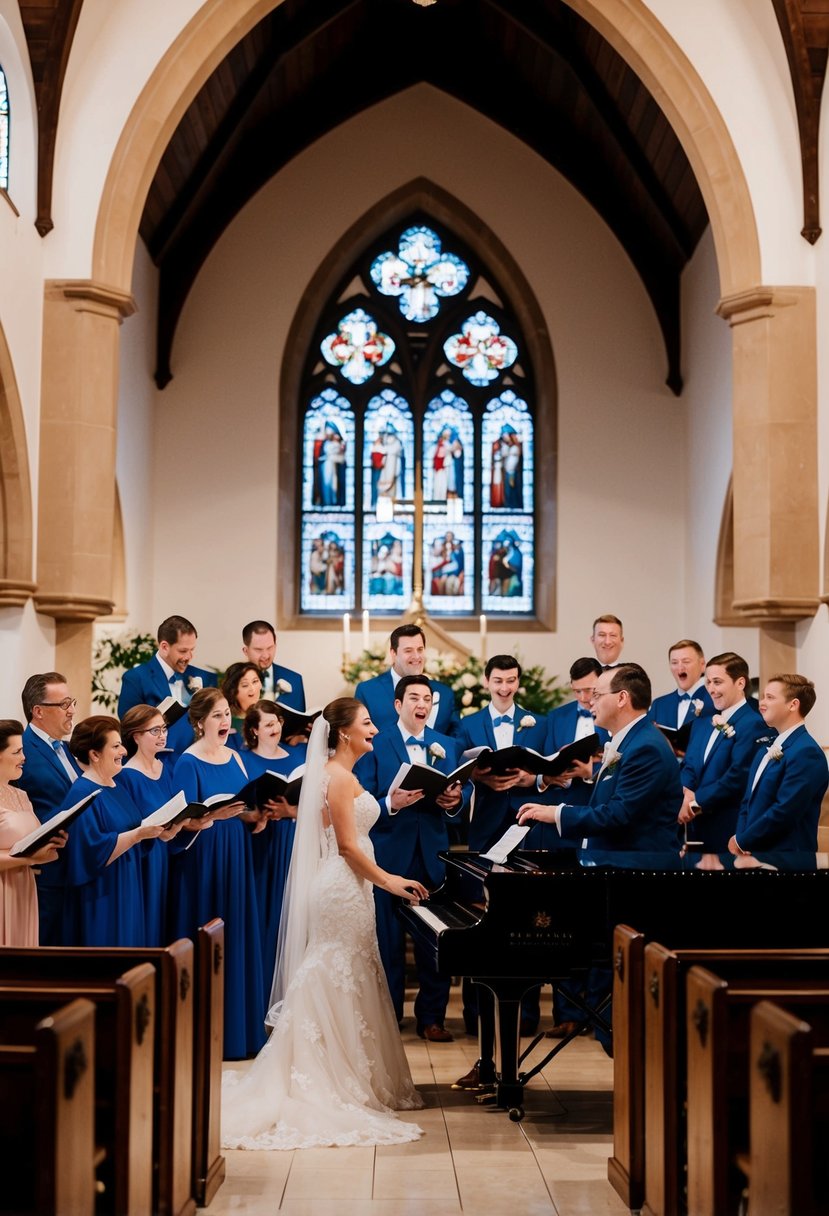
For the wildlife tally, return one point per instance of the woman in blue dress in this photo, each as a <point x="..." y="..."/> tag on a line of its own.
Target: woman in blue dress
<point x="104" y="902"/>
<point x="273" y="843"/>
<point x="150" y="783"/>
<point x="242" y="687"/>
<point x="214" y="877"/>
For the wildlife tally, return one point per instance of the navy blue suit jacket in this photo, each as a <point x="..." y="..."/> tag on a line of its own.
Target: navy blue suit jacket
<point x="719" y="783"/>
<point x="378" y="697"/>
<point x="783" y="810"/>
<point x="148" y="685"/>
<point x="635" y="801"/>
<point x="494" y="811"/>
<point x="664" y="709"/>
<point x="295" y="699"/>
<point x="396" y="836"/>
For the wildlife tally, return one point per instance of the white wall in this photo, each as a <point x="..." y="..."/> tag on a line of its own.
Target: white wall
<point x="217" y="422"/>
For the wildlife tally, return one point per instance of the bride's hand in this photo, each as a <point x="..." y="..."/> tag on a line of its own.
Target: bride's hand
<point x="406" y="888"/>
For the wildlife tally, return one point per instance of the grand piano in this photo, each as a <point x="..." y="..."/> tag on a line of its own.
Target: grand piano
<point x="550" y="916"/>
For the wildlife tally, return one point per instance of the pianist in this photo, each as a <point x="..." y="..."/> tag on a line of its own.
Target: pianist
<point x="412" y="832"/>
<point x="637" y="793"/>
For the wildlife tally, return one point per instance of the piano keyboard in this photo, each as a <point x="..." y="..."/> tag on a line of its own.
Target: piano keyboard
<point x="429" y="918"/>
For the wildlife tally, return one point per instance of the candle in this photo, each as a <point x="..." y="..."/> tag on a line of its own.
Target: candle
<point x="482" y="621"/>
<point x="366" y="631"/>
<point x="346" y="635"/>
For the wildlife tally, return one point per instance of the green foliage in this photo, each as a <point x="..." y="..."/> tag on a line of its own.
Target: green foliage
<point x="113" y="656"/>
<point x="539" y="693"/>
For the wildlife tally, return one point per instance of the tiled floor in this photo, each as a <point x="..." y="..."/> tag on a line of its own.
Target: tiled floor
<point x="471" y="1159"/>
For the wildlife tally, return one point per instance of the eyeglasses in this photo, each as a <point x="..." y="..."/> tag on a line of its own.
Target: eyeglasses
<point x="66" y="703"/>
<point x="156" y="731"/>
<point x="594" y="696"/>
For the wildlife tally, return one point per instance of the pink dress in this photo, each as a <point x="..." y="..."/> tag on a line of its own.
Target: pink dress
<point x="18" y="893"/>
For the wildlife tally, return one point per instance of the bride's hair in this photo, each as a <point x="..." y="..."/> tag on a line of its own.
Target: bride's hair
<point x="339" y="715"/>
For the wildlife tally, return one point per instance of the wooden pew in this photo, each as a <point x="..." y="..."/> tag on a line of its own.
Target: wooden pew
<point x="717" y="1029"/>
<point x="626" y="1168"/>
<point x="788" y="1168"/>
<point x="649" y="1060"/>
<point x="47" y="1115"/>
<point x="208" y="1162"/>
<point x="123" y="1075"/>
<point x="172" y="1038"/>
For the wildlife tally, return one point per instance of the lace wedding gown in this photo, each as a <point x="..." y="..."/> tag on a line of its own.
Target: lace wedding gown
<point x="334" y="1068"/>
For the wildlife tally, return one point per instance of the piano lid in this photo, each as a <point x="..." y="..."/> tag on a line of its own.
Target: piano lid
<point x="558" y="861"/>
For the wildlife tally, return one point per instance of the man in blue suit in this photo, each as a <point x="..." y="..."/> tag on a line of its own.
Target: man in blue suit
<point x="786" y="783"/>
<point x="690" y="699"/>
<point x="279" y="683"/>
<point x="720" y="753"/>
<point x="408" y="837"/>
<point x="407" y="654"/>
<point x="170" y="673"/>
<point x="500" y="724"/>
<point x="565" y="725"/>
<point x="49" y="771"/>
<point x="637" y="793"/>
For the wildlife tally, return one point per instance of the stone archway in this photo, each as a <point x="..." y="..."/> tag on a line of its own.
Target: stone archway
<point x="774" y="336"/>
<point x="16" y="584"/>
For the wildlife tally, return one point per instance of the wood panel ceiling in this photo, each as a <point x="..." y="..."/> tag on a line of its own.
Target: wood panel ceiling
<point x="532" y="66"/>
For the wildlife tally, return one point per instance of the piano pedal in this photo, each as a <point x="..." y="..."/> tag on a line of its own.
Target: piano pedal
<point x="486" y="1095"/>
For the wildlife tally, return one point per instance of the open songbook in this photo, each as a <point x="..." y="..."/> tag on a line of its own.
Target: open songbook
<point x="171" y="710"/>
<point x="35" y="840"/>
<point x="270" y="786"/>
<point x="297" y="721"/>
<point x="414" y="776"/>
<point x="178" y="808"/>
<point x="530" y="761"/>
<point x="677" y="736"/>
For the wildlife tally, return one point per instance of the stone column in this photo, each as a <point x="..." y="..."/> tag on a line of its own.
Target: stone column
<point x="776" y="525"/>
<point x="76" y="495"/>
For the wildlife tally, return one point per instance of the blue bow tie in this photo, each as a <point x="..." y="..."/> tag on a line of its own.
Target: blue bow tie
<point x="176" y="678"/>
<point x="504" y="718"/>
<point x="57" y="745"/>
<point x="584" y="713"/>
<point x="413" y="741"/>
<point x="684" y="696"/>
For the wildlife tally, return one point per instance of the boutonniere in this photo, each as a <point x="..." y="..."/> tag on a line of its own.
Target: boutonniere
<point x="725" y="728"/>
<point x="284" y="686"/>
<point x="698" y="706"/>
<point x="194" y="683"/>
<point x="436" y="752"/>
<point x="526" y="722"/>
<point x="613" y="761"/>
<point x="776" y="751"/>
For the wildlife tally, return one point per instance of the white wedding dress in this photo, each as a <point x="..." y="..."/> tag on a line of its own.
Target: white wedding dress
<point x="334" y="1069"/>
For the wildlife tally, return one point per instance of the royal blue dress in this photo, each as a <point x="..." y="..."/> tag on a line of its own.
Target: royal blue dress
<point x="148" y="795"/>
<point x="271" y="858"/>
<point x="214" y="877"/>
<point x="104" y="904"/>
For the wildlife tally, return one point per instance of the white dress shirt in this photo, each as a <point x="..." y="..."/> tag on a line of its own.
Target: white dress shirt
<point x="684" y="706"/>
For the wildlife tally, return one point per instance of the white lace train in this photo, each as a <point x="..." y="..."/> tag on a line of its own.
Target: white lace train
<point x="334" y="1069"/>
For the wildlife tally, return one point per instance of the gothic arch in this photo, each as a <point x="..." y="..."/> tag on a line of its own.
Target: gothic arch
<point x="424" y="196"/>
<point x="16" y="584"/>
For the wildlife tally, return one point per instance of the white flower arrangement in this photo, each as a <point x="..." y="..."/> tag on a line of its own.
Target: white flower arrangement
<point x="284" y="686"/>
<point x="697" y="706"/>
<point x="725" y="728"/>
<point x="526" y="722"/>
<point x="776" y="751"/>
<point x="436" y="752"/>
<point x="195" y="683"/>
<point x="469" y="680"/>
<point x="467" y="699"/>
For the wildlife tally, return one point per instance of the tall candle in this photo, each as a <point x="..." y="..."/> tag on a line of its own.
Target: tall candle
<point x="482" y="622"/>
<point x="366" y="630"/>
<point x="346" y="635"/>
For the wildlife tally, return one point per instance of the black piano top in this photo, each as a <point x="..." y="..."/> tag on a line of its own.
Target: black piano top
<point x="566" y="861"/>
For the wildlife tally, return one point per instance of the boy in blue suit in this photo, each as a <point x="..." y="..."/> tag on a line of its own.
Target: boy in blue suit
<point x="170" y="673"/>
<point x="786" y="783"/>
<point x="49" y="771"/>
<point x="279" y="683"/>
<point x="690" y="699"/>
<point x="637" y="793"/>
<point x="411" y="832"/>
<point x="407" y="653"/>
<point x="720" y="753"/>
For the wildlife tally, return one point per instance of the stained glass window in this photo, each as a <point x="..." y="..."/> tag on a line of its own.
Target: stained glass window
<point x="418" y="438"/>
<point x="4" y="131"/>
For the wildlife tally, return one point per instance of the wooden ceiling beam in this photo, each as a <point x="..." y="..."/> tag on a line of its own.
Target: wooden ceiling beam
<point x="804" y="27"/>
<point x="49" y="28"/>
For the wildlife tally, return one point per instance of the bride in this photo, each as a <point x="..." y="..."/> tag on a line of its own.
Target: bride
<point x="334" y="1070"/>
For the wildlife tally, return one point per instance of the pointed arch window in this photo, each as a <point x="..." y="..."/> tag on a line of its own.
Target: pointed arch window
<point x="5" y="122"/>
<point x="418" y="403"/>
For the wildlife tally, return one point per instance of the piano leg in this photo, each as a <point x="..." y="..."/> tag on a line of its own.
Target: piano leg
<point x="499" y="1037"/>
